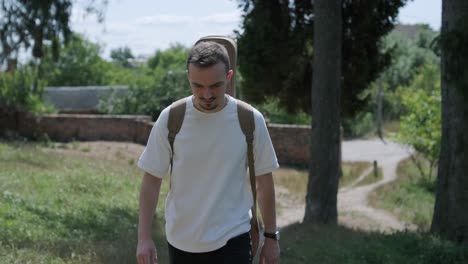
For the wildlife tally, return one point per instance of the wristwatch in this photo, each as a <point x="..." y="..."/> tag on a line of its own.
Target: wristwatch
<point x="275" y="235"/>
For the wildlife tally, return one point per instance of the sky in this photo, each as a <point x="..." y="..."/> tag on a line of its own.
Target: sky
<point x="147" y="25"/>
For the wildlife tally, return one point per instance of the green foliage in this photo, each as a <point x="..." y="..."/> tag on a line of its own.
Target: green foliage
<point x="408" y="56"/>
<point x="276" y="47"/>
<point x="17" y="90"/>
<point x="420" y="127"/>
<point x="147" y="96"/>
<point x="29" y="25"/>
<point x="275" y="114"/>
<point x="152" y="87"/>
<point x="121" y="56"/>
<point x="362" y="124"/>
<point x="79" y="64"/>
<point x="170" y="59"/>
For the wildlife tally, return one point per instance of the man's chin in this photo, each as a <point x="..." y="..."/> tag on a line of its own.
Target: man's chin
<point x="207" y="107"/>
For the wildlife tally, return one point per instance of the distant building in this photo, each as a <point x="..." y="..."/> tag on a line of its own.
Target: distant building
<point x="80" y="99"/>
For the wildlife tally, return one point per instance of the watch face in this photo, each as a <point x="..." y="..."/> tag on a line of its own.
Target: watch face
<point x="277" y="235"/>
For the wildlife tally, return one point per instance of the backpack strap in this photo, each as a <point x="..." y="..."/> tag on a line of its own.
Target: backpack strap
<point x="247" y="124"/>
<point x="174" y="122"/>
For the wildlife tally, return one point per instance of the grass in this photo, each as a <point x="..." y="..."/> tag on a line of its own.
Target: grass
<point x="390" y="126"/>
<point x="295" y="180"/>
<point x="68" y="209"/>
<point x="371" y="178"/>
<point x="352" y="171"/>
<point x="305" y="243"/>
<point x="410" y="197"/>
<point x="58" y="208"/>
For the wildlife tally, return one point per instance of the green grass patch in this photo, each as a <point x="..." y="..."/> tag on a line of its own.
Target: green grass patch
<point x="58" y="208"/>
<point x="303" y="243"/>
<point x="411" y="197"/>
<point x="295" y="180"/>
<point x="371" y="178"/>
<point x="390" y="126"/>
<point x="352" y="171"/>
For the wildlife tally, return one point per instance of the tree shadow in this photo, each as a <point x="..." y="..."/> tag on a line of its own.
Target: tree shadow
<point x="309" y="243"/>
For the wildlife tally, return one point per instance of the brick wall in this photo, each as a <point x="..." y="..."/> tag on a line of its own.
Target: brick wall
<point x="291" y="142"/>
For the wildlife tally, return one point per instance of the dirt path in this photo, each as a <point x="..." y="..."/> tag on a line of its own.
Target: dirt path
<point x="353" y="207"/>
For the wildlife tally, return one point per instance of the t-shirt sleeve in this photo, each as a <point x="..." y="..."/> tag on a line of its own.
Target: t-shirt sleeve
<point x="264" y="153"/>
<point x="155" y="159"/>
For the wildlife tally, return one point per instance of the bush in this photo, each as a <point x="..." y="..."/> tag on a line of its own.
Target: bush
<point x="360" y="125"/>
<point x="17" y="89"/>
<point x="148" y="96"/>
<point x="420" y="126"/>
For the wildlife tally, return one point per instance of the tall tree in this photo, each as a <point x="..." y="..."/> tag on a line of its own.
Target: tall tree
<point x="450" y="213"/>
<point x="26" y="24"/>
<point x="29" y="24"/>
<point x="321" y="200"/>
<point x="276" y="47"/>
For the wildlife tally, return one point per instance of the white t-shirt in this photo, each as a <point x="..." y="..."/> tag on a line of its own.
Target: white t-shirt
<point x="210" y="197"/>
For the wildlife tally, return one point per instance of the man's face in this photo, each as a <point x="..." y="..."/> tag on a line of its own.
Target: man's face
<point x="209" y="86"/>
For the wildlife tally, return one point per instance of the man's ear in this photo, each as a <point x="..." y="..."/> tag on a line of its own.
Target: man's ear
<point x="229" y="75"/>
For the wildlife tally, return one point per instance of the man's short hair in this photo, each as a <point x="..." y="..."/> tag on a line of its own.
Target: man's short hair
<point x="208" y="53"/>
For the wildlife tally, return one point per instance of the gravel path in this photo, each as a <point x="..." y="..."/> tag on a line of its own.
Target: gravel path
<point x="353" y="207"/>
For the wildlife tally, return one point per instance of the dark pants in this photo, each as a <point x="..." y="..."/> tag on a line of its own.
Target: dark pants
<point x="238" y="250"/>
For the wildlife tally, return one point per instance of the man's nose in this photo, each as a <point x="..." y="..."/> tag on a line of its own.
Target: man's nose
<point x="207" y="93"/>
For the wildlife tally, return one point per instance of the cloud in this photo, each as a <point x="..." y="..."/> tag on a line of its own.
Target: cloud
<point x="163" y="20"/>
<point x="224" y="18"/>
<point x="168" y="20"/>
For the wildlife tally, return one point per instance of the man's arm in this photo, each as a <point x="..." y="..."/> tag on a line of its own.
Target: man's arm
<point x="266" y="201"/>
<point x="149" y="194"/>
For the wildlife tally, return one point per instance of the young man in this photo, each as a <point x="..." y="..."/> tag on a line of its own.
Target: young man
<point x="207" y="208"/>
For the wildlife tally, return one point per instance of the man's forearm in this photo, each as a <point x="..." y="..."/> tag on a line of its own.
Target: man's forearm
<point x="149" y="193"/>
<point x="266" y="201"/>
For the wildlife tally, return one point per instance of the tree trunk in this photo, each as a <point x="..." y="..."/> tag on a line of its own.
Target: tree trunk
<point x="321" y="199"/>
<point x="379" y="110"/>
<point x="450" y="218"/>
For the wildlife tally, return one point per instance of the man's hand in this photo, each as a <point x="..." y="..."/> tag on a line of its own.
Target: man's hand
<point x="270" y="252"/>
<point x="146" y="252"/>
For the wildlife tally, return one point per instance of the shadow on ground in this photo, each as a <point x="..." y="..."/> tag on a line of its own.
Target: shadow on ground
<point x="306" y="243"/>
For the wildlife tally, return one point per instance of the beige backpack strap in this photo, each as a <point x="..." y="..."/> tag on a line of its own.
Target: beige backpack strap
<point x="247" y="124"/>
<point x="174" y="122"/>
